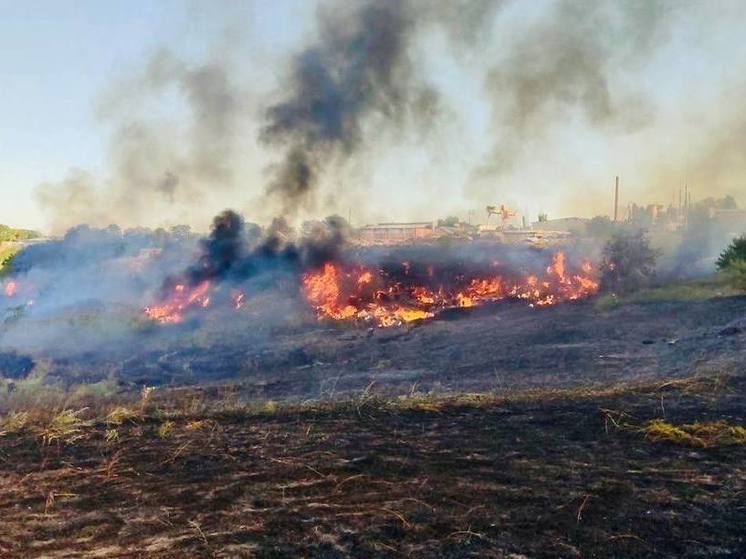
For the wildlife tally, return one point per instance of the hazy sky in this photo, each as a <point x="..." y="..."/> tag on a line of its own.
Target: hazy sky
<point x="657" y="114"/>
<point x="58" y="58"/>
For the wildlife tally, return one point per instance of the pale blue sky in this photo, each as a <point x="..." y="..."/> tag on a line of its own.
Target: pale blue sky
<point x="58" y="58"/>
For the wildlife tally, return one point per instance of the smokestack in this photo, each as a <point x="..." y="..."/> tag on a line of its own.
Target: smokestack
<point x="616" y="199"/>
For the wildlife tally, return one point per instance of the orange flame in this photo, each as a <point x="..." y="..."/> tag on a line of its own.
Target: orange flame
<point x="238" y="298"/>
<point x="171" y="311"/>
<point x="361" y="294"/>
<point x="10" y="288"/>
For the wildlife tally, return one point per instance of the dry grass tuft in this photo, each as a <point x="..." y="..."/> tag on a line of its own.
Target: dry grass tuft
<point x="122" y="414"/>
<point x="66" y="426"/>
<point x="702" y="435"/>
<point x="165" y="429"/>
<point x="14" y="422"/>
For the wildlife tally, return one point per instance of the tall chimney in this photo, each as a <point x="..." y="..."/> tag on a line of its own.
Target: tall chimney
<point x="616" y="199"/>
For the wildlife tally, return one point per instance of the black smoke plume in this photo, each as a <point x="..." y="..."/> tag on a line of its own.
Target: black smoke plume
<point x="235" y="253"/>
<point x="360" y="67"/>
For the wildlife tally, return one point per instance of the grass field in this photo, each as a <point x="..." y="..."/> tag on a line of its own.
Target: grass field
<point x="717" y="285"/>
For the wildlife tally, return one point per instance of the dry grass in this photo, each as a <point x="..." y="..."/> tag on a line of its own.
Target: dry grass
<point x="718" y="285"/>
<point x="196" y="413"/>
<point x="698" y="434"/>
<point x="165" y="428"/>
<point x="122" y="414"/>
<point x="67" y="426"/>
<point x="14" y="422"/>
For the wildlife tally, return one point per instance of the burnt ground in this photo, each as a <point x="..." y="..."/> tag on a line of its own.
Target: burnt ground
<point x="547" y="475"/>
<point x="502" y="347"/>
<point x="549" y="462"/>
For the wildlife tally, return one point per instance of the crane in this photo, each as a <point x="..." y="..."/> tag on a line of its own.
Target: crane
<point x="503" y="211"/>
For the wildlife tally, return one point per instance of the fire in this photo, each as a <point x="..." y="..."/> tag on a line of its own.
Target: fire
<point x="181" y="298"/>
<point x="341" y="292"/>
<point x="238" y="298"/>
<point x="396" y="294"/>
<point x="10" y="288"/>
<point x="323" y="292"/>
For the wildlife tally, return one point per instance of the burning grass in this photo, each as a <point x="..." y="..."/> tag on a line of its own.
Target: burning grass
<point x="385" y="291"/>
<point x="390" y="297"/>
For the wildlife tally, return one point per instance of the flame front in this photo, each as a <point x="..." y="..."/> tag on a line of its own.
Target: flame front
<point x="10" y="288"/>
<point x="181" y="298"/>
<point x="402" y="294"/>
<point x="342" y="292"/>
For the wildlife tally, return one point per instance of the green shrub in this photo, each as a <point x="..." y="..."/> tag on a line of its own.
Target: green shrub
<point x="734" y="252"/>
<point x="736" y="274"/>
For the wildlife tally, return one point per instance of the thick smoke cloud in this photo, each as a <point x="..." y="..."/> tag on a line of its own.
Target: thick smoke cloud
<point x="360" y="67"/>
<point x="86" y="290"/>
<point x="236" y="253"/>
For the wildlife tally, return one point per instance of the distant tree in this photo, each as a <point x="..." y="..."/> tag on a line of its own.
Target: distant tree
<point x="181" y="232"/>
<point x="733" y="253"/>
<point x="600" y="227"/>
<point x="729" y="203"/>
<point x="450" y="221"/>
<point x="543" y="217"/>
<point x="628" y="262"/>
<point x="10" y="234"/>
<point x="725" y="203"/>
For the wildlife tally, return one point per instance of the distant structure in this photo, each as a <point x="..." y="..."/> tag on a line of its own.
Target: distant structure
<point x="503" y="211"/>
<point x="616" y="199"/>
<point x="397" y="232"/>
<point x="576" y="225"/>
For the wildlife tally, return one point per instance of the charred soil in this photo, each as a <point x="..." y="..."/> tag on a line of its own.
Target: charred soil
<point x="568" y="473"/>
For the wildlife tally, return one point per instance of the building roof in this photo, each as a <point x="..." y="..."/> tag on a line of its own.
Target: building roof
<point x="407" y="225"/>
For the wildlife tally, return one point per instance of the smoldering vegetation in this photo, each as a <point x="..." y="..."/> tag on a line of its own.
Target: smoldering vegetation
<point x="83" y="297"/>
<point x="83" y="291"/>
<point x="86" y="291"/>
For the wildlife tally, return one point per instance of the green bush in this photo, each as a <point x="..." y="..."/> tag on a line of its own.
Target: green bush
<point x="628" y="263"/>
<point x="600" y="227"/>
<point x="733" y="253"/>
<point x="736" y="274"/>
